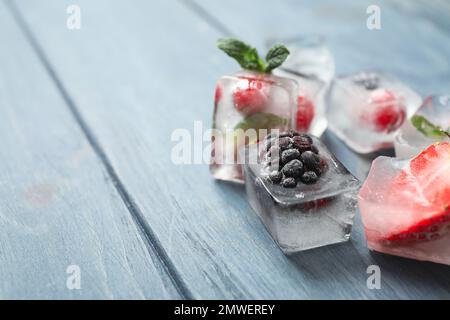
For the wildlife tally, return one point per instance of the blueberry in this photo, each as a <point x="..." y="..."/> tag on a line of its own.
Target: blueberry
<point x="309" y="177"/>
<point x="285" y="143"/>
<point x="301" y="143"/>
<point x="289" y="154"/>
<point x="275" y="176"/>
<point x="289" y="183"/>
<point x="314" y="149"/>
<point x="310" y="160"/>
<point x="293" y="169"/>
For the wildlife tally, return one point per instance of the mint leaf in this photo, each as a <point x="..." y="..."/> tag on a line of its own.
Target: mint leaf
<point x="245" y="55"/>
<point x="261" y="120"/>
<point x="427" y="128"/>
<point x="276" y="56"/>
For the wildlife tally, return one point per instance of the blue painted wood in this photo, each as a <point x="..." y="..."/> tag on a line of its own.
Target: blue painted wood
<point x="136" y="73"/>
<point x="58" y="207"/>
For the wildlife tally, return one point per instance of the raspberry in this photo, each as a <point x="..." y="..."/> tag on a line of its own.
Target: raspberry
<point x="217" y="95"/>
<point x="305" y="113"/>
<point x="390" y="113"/>
<point x="249" y="101"/>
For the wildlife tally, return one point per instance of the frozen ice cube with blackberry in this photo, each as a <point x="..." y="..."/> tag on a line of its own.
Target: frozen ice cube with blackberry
<point x="305" y="197"/>
<point x="366" y="109"/>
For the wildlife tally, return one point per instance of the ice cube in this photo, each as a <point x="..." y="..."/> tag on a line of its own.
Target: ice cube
<point x="308" y="215"/>
<point x="309" y="57"/>
<point x="409" y="142"/>
<point x="309" y="115"/>
<point x="247" y="106"/>
<point x="366" y="109"/>
<point x="405" y="205"/>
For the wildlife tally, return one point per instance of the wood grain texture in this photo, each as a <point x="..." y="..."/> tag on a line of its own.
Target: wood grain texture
<point x="58" y="206"/>
<point x="136" y="73"/>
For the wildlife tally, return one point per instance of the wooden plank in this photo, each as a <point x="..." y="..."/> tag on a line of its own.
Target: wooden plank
<point x="136" y="74"/>
<point x="413" y="44"/>
<point x="58" y="206"/>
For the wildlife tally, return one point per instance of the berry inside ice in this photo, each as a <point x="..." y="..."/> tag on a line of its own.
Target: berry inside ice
<point x="295" y="158"/>
<point x="305" y="113"/>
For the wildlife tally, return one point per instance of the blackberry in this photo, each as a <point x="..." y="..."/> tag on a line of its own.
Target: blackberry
<point x="309" y="177"/>
<point x="288" y="155"/>
<point x="289" y="183"/>
<point x="293" y="169"/>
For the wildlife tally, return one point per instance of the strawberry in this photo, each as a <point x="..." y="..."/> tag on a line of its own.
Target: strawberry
<point x="305" y="113"/>
<point x="427" y="180"/>
<point x="390" y="113"/>
<point x="252" y="99"/>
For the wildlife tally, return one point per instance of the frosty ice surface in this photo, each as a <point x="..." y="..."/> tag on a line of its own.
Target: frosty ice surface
<point x="366" y="109"/>
<point x="405" y="205"/>
<point x="309" y="215"/>
<point x="409" y="141"/>
<point x="246" y="101"/>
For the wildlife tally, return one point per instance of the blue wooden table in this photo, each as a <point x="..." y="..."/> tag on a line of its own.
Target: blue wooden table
<point x="87" y="186"/>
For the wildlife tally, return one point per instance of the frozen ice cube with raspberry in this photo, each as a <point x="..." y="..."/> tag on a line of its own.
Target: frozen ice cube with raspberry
<point x="248" y="105"/>
<point x="365" y="110"/>
<point x="405" y="205"/>
<point x="430" y="124"/>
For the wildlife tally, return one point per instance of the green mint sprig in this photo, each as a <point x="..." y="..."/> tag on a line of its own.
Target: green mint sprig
<point x="429" y="129"/>
<point x="248" y="57"/>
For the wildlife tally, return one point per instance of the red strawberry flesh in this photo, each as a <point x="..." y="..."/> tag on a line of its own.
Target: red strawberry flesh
<point x="305" y="113"/>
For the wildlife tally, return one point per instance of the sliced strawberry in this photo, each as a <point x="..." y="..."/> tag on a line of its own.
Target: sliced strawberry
<point x="427" y="181"/>
<point x="305" y="113"/>
<point x="390" y="113"/>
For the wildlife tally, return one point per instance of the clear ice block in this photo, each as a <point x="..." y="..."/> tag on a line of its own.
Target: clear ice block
<point x="246" y="101"/>
<point x="405" y="205"/>
<point x="366" y="109"/>
<point x="409" y="142"/>
<point x="307" y="216"/>
<point x="309" y="114"/>
<point x="309" y="57"/>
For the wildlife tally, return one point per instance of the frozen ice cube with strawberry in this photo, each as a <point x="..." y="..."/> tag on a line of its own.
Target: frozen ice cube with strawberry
<point x="405" y="205"/>
<point x="365" y="110"/>
<point x="248" y="105"/>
